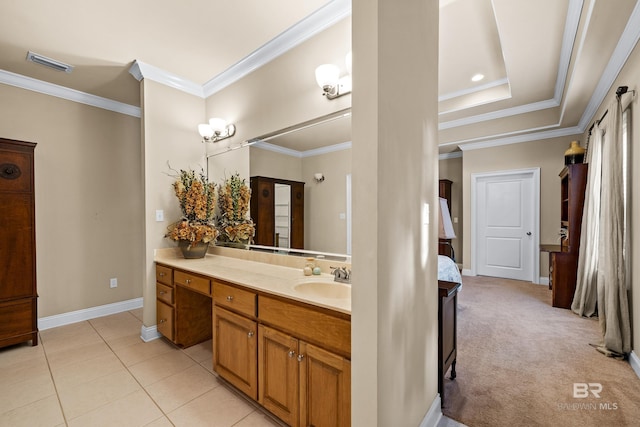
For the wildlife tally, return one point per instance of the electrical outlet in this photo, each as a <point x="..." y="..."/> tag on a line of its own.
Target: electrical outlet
<point x="113" y="282"/>
<point x="159" y="215"/>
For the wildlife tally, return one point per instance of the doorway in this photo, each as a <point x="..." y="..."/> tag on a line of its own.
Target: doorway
<point x="505" y="224"/>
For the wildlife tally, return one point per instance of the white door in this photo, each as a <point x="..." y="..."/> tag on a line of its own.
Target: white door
<point x="506" y="218"/>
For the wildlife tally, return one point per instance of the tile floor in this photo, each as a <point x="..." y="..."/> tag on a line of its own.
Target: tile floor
<point x="99" y="373"/>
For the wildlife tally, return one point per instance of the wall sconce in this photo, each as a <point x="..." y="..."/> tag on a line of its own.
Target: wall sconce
<point x="216" y="130"/>
<point x="319" y="177"/>
<point x="329" y="80"/>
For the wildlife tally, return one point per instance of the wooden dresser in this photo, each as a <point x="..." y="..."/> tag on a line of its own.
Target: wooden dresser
<point x="18" y="295"/>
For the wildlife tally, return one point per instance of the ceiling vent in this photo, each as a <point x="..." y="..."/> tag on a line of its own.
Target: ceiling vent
<point x="48" y="62"/>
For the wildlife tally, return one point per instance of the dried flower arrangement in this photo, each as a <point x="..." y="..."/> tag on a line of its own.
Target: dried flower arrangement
<point x="197" y="202"/>
<point x="233" y="202"/>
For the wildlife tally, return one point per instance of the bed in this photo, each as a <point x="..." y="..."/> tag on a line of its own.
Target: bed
<point x="448" y="270"/>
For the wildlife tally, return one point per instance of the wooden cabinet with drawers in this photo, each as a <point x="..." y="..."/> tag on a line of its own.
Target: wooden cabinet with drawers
<point x="183" y="306"/>
<point x="18" y="295"/>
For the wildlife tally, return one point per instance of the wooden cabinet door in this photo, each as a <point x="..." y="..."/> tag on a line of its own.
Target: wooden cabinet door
<point x="235" y="356"/>
<point x="325" y="388"/>
<point x="278" y="374"/>
<point x="164" y="314"/>
<point x="297" y="215"/>
<point x="263" y="211"/>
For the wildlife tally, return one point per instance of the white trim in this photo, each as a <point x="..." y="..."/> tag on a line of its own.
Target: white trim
<point x="543" y="281"/>
<point x="634" y="361"/>
<point x="517" y="139"/>
<point x="467" y="272"/>
<point x="88" y="314"/>
<point x="535" y="175"/>
<point x="452" y="155"/>
<point x="475" y="89"/>
<point x="301" y="154"/>
<point x="46" y="88"/>
<point x="141" y="70"/>
<point x="433" y="415"/>
<point x="311" y="25"/>
<point x="625" y="46"/>
<point x="499" y="114"/>
<point x="572" y="22"/>
<point x="149" y="333"/>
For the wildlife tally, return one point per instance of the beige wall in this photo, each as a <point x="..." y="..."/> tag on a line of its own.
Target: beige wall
<point x="395" y="125"/>
<point x="451" y="169"/>
<point x="548" y="155"/>
<point x="274" y="165"/>
<point x="325" y="201"/>
<point x="170" y="134"/>
<point x="88" y="198"/>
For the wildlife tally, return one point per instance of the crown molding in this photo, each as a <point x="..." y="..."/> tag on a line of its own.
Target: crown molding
<point x="572" y="22"/>
<point x="499" y="114"/>
<point x="302" y="154"/>
<point x="141" y="70"/>
<point x="625" y="46"/>
<point x="35" y="85"/>
<point x="313" y="24"/>
<point x="517" y="139"/>
<point x="452" y="155"/>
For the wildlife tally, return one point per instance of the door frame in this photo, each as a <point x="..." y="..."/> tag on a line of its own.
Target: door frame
<point x="534" y="174"/>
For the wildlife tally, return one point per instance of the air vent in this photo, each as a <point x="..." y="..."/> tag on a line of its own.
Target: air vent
<point x="48" y="62"/>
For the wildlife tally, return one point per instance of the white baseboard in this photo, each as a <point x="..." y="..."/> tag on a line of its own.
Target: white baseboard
<point x="634" y="361"/>
<point x="87" y="314"/>
<point x="434" y="414"/>
<point x="467" y="272"/>
<point x="149" y="333"/>
<point x="544" y="281"/>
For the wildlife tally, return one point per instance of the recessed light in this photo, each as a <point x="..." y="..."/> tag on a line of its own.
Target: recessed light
<point x="477" y="77"/>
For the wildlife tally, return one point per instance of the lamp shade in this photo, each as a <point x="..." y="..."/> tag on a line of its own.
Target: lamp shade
<point x="445" y="226"/>
<point x="218" y="125"/>
<point x="205" y="130"/>
<point x="327" y="75"/>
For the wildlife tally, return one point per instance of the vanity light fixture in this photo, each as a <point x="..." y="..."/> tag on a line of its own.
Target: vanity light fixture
<point x="329" y="80"/>
<point x="216" y="130"/>
<point x="319" y="177"/>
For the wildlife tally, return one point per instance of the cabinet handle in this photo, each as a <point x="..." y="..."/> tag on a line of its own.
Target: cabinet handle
<point x="188" y="281"/>
<point x="163" y="320"/>
<point x="229" y="298"/>
<point x="161" y="274"/>
<point x="291" y="353"/>
<point x="300" y="357"/>
<point x="162" y="292"/>
<point x="250" y="334"/>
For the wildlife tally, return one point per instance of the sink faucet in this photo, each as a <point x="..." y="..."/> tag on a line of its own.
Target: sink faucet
<point x="341" y="274"/>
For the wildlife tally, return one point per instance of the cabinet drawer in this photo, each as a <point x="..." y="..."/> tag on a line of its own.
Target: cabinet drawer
<point x="164" y="315"/>
<point x="234" y="298"/>
<point x="191" y="281"/>
<point x="18" y="318"/>
<point x="164" y="275"/>
<point x="164" y="293"/>
<point x="315" y="326"/>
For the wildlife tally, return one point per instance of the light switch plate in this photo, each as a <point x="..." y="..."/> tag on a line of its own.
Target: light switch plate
<point x="159" y="215"/>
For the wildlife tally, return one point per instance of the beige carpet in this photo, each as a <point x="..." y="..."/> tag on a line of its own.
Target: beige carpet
<point x="518" y="360"/>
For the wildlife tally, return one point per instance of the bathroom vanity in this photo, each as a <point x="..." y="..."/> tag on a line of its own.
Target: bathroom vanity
<point x="281" y="338"/>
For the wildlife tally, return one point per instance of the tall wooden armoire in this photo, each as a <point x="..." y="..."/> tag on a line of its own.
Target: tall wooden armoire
<point x="18" y="295"/>
<point x="264" y="212"/>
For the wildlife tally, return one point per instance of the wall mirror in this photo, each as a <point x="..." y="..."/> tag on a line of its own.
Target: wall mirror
<point x="301" y="153"/>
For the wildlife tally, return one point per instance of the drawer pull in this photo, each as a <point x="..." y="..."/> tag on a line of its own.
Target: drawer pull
<point x="300" y="357"/>
<point x="291" y="354"/>
<point x="250" y="334"/>
<point x="229" y="298"/>
<point x="162" y="274"/>
<point x="187" y="281"/>
<point x="162" y="292"/>
<point x="163" y="320"/>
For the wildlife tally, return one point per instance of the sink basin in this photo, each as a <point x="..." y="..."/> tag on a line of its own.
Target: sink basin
<point x="324" y="289"/>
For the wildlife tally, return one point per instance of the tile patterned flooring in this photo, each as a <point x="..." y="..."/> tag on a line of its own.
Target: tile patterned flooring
<point x="99" y="373"/>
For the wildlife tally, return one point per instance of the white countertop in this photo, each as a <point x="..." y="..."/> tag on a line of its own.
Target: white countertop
<point x="273" y="279"/>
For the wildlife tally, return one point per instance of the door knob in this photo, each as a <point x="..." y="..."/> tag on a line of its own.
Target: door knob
<point x="528" y="233"/>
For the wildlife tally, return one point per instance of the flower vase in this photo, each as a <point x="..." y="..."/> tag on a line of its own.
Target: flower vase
<point x="193" y="250"/>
